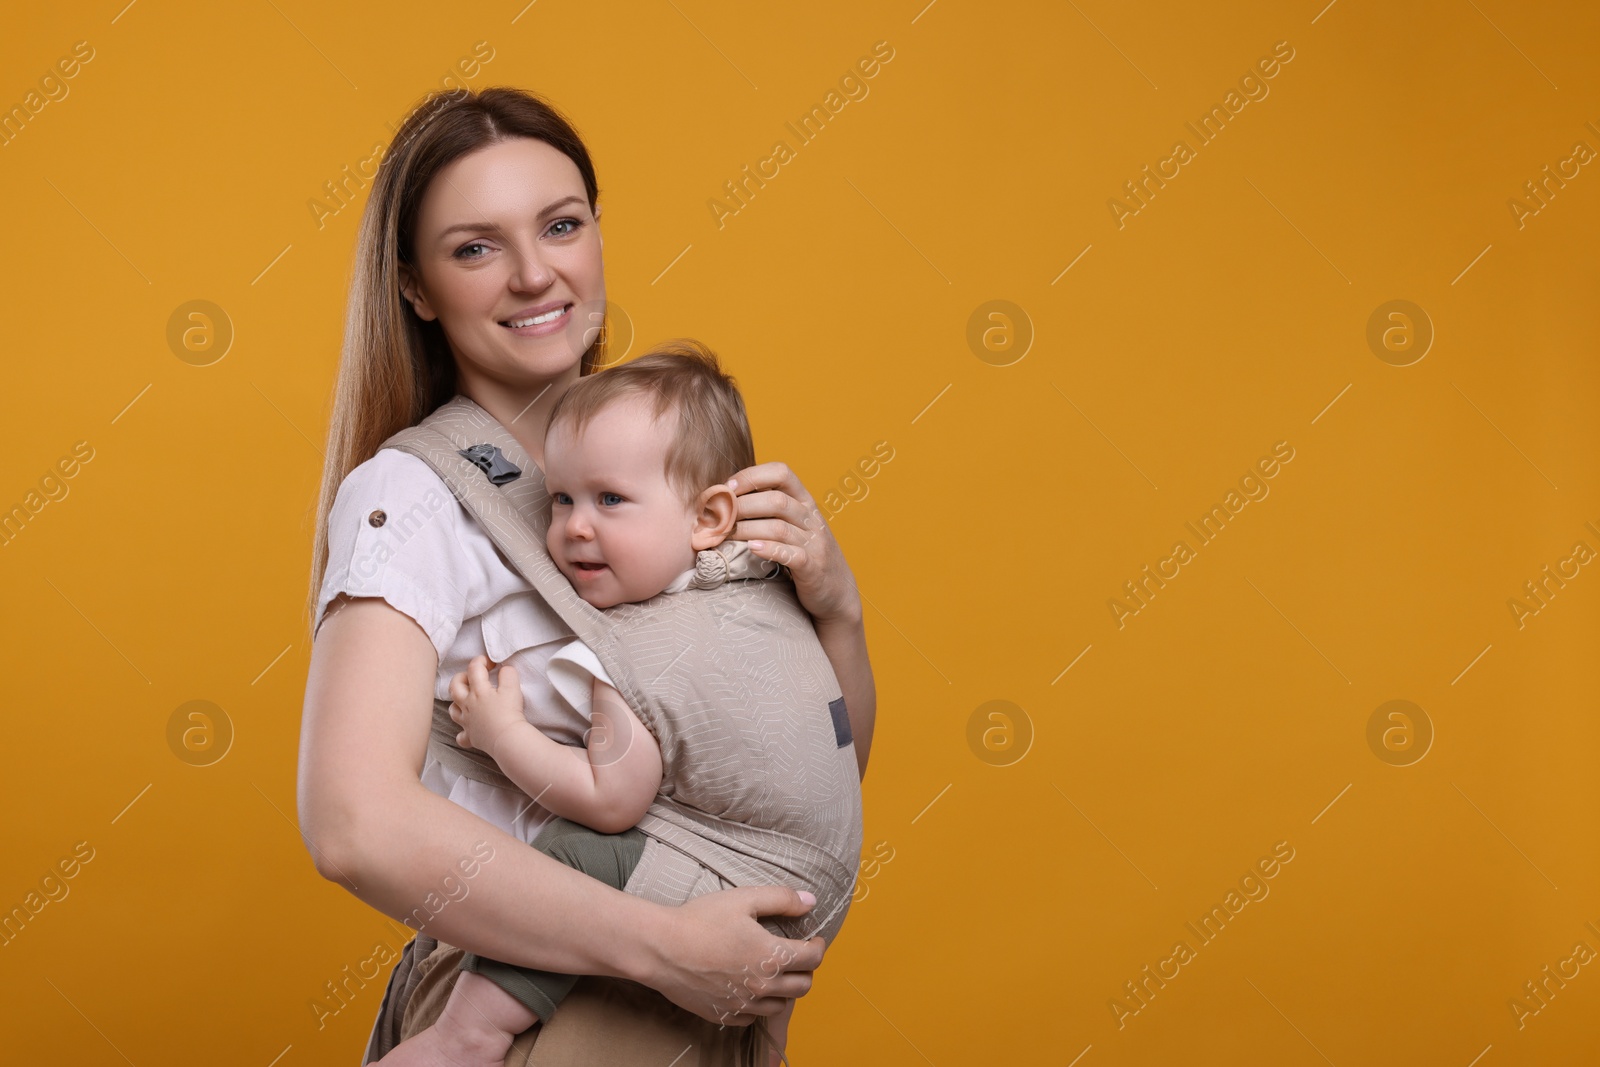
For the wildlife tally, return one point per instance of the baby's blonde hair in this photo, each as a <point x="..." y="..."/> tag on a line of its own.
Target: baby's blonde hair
<point x="712" y="442"/>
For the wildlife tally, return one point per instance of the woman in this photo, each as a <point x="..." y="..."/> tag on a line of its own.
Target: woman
<point x="478" y="265"/>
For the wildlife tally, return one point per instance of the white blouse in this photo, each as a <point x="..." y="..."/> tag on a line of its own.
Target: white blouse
<point x="396" y="532"/>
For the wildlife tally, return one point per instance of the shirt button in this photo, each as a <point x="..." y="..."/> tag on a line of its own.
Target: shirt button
<point x="377" y="518"/>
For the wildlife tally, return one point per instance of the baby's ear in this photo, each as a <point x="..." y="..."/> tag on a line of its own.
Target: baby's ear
<point x="714" y="516"/>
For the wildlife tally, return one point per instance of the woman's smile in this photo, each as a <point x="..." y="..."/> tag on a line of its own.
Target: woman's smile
<point x="539" y="321"/>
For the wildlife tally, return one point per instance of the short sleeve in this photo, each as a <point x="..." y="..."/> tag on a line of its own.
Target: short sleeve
<point x="572" y="670"/>
<point x="392" y="533"/>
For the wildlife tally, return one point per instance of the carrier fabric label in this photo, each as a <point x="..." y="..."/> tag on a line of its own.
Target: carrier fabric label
<point x="841" y="722"/>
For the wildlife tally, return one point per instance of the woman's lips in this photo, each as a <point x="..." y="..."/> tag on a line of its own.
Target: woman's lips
<point x="555" y="325"/>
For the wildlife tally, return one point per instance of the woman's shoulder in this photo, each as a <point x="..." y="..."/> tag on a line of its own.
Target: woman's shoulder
<point x="397" y="532"/>
<point x="400" y="491"/>
<point x="392" y="470"/>
<point x="397" y="498"/>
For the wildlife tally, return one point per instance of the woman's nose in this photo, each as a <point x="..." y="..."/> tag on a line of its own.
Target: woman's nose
<point x="530" y="274"/>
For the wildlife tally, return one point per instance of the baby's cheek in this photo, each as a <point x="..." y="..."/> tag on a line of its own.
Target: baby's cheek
<point x="654" y="569"/>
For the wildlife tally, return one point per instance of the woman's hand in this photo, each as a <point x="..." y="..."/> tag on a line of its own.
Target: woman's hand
<point x="718" y="962"/>
<point x="782" y="522"/>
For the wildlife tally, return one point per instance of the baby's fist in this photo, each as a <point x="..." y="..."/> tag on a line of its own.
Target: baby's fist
<point x="483" y="709"/>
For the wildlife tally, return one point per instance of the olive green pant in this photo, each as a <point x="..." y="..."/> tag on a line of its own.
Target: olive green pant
<point x="609" y="857"/>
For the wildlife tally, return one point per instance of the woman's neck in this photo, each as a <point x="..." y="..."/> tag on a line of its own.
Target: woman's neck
<point x="525" y="413"/>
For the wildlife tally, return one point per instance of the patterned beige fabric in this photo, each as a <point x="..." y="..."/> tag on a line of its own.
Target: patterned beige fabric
<point x="760" y="783"/>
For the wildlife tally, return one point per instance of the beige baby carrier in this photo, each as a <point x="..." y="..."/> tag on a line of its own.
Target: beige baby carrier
<point x="760" y="782"/>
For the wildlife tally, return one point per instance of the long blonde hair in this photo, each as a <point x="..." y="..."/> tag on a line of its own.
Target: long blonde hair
<point x="395" y="368"/>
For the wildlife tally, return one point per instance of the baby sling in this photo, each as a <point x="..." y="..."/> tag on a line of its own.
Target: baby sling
<point x="760" y="782"/>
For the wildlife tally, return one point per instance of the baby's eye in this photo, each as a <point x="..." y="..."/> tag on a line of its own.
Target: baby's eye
<point x="610" y="498"/>
<point x="560" y="498"/>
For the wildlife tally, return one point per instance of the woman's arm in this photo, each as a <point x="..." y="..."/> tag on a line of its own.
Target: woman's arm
<point x="845" y="642"/>
<point x="607" y="786"/>
<point x="373" y="827"/>
<point x="781" y="521"/>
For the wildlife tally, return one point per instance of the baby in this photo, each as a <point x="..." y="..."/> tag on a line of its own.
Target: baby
<point x="635" y="463"/>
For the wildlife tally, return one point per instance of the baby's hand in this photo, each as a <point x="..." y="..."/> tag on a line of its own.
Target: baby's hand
<point x="483" y="710"/>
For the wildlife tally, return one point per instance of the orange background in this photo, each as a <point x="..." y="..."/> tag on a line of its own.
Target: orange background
<point x="1230" y="313"/>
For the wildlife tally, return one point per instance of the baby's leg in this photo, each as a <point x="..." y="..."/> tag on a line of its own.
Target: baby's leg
<point x="492" y="1002"/>
<point x="477" y="1026"/>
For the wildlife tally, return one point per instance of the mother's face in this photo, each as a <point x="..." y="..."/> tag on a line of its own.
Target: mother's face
<point x="504" y="235"/>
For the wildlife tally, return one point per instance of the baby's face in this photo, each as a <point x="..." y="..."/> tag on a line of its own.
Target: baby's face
<point x="618" y="530"/>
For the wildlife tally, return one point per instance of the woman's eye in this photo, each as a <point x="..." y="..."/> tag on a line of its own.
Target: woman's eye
<point x="571" y="224"/>
<point x="610" y="498"/>
<point x="463" y="248"/>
